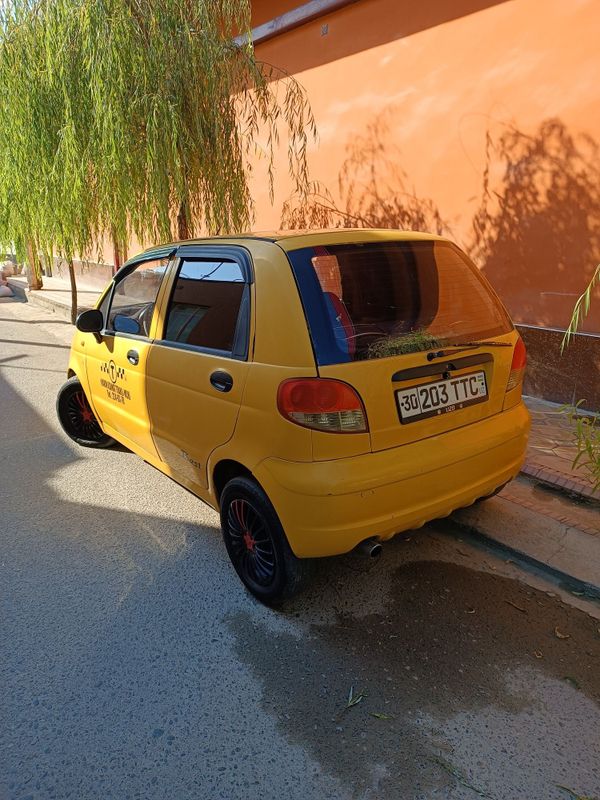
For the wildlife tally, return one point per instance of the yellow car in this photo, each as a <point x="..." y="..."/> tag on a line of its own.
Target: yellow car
<point x="322" y="390"/>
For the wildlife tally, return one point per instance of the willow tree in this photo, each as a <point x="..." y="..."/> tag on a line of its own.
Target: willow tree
<point x="142" y="117"/>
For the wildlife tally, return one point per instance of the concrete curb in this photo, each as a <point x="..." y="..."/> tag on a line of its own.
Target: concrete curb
<point x="525" y="561"/>
<point x="18" y="289"/>
<point x="557" y="480"/>
<point x="41" y="300"/>
<point x="562" y="547"/>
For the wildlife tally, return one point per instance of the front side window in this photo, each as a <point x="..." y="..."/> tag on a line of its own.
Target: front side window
<point x="134" y="298"/>
<point x="205" y="306"/>
<point x="374" y="300"/>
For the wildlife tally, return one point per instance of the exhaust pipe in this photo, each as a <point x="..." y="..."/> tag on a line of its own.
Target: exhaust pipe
<point x="370" y="548"/>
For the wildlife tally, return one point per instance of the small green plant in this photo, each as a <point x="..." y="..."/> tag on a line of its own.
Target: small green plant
<point x="581" y="309"/>
<point x="411" y="342"/>
<point x="586" y="430"/>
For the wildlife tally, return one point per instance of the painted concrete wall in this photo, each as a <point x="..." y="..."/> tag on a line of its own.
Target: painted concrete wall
<point x="479" y="119"/>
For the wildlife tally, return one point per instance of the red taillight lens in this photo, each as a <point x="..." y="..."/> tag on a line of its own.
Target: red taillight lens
<point x="517" y="368"/>
<point x="323" y="404"/>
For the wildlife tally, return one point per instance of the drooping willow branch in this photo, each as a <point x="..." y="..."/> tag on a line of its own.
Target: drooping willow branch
<point x="137" y="117"/>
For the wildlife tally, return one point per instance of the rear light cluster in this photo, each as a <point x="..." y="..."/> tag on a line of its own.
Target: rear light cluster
<point x="322" y="404"/>
<point x="517" y="368"/>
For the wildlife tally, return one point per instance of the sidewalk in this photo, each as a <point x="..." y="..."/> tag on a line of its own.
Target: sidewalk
<point x="55" y="295"/>
<point x="552" y="450"/>
<point x="548" y="517"/>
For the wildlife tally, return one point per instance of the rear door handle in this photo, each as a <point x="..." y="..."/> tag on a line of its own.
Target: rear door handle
<point x="221" y="380"/>
<point x="133" y="357"/>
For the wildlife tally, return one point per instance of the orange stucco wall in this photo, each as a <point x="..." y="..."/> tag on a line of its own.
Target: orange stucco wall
<point x="478" y="118"/>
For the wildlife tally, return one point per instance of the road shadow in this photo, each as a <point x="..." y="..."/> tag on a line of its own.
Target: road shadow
<point x="15" y="321"/>
<point x="120" y="676"/>
<point x="449" y="642"/>
<point x="80" y="609"/>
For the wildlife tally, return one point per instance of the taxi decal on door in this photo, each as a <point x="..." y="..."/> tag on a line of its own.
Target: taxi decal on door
<point x="115" y="373"/>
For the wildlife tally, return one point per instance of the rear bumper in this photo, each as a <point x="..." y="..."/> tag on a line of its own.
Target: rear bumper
<point x="328" y="507"/>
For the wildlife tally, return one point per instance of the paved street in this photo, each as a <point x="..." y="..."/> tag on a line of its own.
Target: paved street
<point x="134" y="665"/>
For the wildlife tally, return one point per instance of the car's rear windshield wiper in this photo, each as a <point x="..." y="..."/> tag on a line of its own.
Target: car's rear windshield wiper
<point x="464" y="346"/>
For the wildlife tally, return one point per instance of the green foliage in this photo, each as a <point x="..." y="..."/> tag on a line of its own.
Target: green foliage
<point x="411" y="342"/>
<point x="120" y="116"/>
<point x="586" y="430"/>
<point x="581" y="309"/>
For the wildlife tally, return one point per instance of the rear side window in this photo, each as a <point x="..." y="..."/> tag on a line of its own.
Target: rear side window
<point x="207" y="307"/>
<point x="374" y="300"/>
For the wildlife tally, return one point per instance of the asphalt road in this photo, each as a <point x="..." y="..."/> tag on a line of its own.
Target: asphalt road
<point x="134" y="665"/>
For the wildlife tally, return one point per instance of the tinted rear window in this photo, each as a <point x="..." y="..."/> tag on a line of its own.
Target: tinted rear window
<point x="375" y="300"/>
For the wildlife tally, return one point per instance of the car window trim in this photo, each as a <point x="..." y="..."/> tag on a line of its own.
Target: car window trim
<point x="208" y="351"/>
<point x="149" y="255"/>
<point x="113" y="334"/>
<point x="127" y="268"/>
<point x="241" y="338"/>
<point x="241" y="335"/>
<point x="224" y="252"/>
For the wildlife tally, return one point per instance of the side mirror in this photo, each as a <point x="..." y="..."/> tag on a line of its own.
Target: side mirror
<point x="123" y="324"/>
<point x="90" y="321"/>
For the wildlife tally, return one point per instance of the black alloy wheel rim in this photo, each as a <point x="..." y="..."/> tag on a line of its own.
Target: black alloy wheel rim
<point x="81" y="418"/>
<point x="251" y="543"/>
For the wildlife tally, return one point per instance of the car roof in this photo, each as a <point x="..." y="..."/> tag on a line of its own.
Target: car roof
<point x="294" y="240"/>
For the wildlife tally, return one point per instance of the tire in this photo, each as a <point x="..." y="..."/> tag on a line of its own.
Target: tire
<point x="257" y="545"/>
<point x="77" y="418"/>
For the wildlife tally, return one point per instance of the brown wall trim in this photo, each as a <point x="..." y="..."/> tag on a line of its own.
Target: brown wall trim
<point x="562" y="377"/>
<point x="294" y="18"/>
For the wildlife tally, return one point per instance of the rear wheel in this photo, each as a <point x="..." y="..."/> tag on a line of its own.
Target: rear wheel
<point x="77" y="418"/>
<point x="257" y="545"/>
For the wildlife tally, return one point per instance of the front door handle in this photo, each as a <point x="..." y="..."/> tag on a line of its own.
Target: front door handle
<point x="133" y="357"/>
<point x="221" y="380"/>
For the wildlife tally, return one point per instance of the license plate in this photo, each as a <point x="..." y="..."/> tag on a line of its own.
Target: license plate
<point x="441" y="397"/>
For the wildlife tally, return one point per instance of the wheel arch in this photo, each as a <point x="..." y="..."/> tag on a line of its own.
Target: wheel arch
<point x="224" y="471"/>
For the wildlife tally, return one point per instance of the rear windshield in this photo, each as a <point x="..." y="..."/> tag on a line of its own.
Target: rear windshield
<point x="374" y="300"/>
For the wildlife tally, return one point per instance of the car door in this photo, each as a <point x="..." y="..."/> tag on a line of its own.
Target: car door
<point x="198" y="364"/>
<point x="116" y="362"/>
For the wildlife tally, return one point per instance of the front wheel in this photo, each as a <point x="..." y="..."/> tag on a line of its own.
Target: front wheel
<point x="77" y="418"/>
<point x="257" y="545"/>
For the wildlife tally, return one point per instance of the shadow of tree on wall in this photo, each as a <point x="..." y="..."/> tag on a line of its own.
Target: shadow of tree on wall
<point x="536" y="234"/>
<point x="373" y="189"/>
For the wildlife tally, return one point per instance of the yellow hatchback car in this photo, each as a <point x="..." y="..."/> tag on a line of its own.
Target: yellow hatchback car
<point x="320" y="389"/>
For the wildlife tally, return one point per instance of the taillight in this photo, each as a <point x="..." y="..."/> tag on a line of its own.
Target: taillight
<point x="517" y="368"/>
<point x="323" y="404"/>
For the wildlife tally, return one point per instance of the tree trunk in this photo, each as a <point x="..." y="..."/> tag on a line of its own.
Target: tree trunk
<point x="73" y="290"/>
<point x="119" y="252"/>
<point x="34" y="274"/>
<point x="116" y="254"/>
<point x="183" y="229"/>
